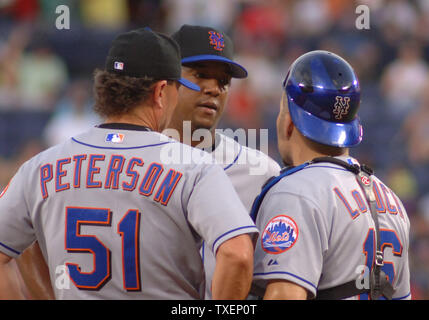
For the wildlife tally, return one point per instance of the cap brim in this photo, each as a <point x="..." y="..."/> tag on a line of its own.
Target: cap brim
<point x="237" y="71"/>
<point x="189" y="84"/>
<point x="326" y="132"/>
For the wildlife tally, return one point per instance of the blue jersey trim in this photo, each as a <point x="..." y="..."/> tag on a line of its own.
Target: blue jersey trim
<point x="400" y="298"/>
<point x="202" y="251"/>
<point x="9" y="248"/>
<point x="124" y="148"/>
<point x="287" y="273"/>
<point x="316" y="166"/>
<point x="235" y="160"/>
<point x="228" y="232"/>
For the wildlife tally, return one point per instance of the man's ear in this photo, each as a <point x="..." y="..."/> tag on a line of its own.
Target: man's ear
<point x="289" y="126"/>
<point x="158" y="92"/>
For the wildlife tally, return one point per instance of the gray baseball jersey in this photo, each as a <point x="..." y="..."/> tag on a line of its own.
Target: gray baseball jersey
<point x="107" y="208"/>
<point x="248" y="169"/>
<point x="316" y="230"/>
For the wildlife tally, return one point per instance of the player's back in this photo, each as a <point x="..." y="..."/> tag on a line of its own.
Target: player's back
<point x="109" y="211"/>
<point x="336" y="238"/>
<point x="350" y="242"/>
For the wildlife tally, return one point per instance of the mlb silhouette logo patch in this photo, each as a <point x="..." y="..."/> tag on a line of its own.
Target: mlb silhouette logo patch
<point x="115" y="137"/>
<point x="280" y="234"/>
<point x="118" y="65"/>
<point x="216" y="40"/>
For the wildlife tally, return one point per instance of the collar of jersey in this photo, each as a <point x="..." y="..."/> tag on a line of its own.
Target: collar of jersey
<point x="220" y="138"/>
<point x="123" y="126"/>
<point x="215" y="144"/>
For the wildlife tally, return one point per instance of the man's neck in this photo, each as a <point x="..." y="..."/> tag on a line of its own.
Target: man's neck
<point x="203" y="139"/>
<point x="135" y="119"/>
<point x="204" y="142"/>
<point x="305" y="154"/>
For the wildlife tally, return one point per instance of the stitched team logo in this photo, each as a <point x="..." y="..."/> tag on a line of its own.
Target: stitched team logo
<point x="216" y="40"/>
<point x="279" y="235"/>
<point x="341" y="107"/>
<point x="115" y="137"/>
<point x="365" y="180"/>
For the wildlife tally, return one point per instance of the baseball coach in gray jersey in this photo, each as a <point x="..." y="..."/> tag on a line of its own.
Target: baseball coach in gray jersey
<point x="105" y="208"/>
<point x="329" y="228"/>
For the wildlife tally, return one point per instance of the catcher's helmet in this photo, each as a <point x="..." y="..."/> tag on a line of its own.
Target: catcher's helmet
<point x="324" y="95"/>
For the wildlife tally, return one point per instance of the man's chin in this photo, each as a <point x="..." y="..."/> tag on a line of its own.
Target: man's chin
<point x="206" y="124"/>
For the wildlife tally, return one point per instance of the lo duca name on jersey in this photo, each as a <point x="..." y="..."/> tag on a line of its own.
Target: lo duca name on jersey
<point x="386" y="201"/>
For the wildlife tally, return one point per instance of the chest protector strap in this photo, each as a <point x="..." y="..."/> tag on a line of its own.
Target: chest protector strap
<point x="269" y="184"/>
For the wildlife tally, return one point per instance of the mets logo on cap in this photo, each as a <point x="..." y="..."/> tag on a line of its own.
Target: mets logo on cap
<point x="216" y="40"/>
<point x="341" y="107"/>
<point x="280" y="234"/>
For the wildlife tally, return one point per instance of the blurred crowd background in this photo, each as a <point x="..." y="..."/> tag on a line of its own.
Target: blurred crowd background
<point x="46" y="77"/>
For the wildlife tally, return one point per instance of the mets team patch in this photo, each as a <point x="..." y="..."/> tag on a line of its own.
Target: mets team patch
<point x="280" y="234"/>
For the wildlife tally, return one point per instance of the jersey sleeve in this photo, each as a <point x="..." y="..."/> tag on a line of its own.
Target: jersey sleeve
<point x="293" y="237"/>
<point x="16" y="230"/>
<point x="403" y="289"/>
<point x="215" y="210"/>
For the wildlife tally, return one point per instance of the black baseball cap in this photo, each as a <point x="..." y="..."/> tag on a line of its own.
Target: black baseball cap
<point x="200" y="43"/>
<point x="145" y="53"/>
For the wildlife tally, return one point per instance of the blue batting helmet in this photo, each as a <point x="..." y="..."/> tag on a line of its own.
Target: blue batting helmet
<point x="324" y="95"/>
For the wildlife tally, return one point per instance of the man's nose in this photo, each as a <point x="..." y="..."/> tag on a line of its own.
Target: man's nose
<point x="211" y="87"/>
